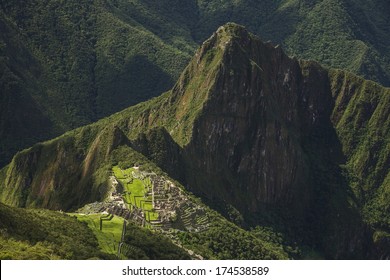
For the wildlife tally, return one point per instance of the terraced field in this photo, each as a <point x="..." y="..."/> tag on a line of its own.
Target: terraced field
<point x="110" y="235"/>
<point x="137" y="191"/>
<point x="157" y="203"/>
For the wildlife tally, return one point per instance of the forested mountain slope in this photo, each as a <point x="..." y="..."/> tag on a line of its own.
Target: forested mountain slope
<point x="64" y="64"/>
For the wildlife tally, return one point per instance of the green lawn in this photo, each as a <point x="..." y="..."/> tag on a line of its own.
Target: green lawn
<point x="122" y="174"/>
<point x="135" y="190"/>
<point x="109" y="236"/>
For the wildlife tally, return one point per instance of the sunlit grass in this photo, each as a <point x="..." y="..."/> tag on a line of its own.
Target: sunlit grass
<point x="135" y="191"/>
<point x="110" y="235"/>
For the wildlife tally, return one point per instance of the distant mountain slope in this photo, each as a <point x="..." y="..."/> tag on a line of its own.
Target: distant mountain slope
<point x="352" y="35"/>
<point x="362" y="119"/>
<point x="23" y="121"/>
<point x="265" y="139"/>
<point x="66" y="64"/>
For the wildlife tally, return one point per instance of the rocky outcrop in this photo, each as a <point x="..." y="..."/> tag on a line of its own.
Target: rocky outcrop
<point x="247" y="141"/>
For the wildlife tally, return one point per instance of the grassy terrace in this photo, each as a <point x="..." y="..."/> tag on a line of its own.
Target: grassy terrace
<point x="109" y="236"/>
<point x="134" y="195"/>
<point x="136" y="190"/>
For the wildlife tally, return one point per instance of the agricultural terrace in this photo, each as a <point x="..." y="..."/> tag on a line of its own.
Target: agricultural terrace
<point x="156" y="202"/>
<point x="145" y="198"/>
<point x="110" y="235"/>
<point x="137" y="191"/>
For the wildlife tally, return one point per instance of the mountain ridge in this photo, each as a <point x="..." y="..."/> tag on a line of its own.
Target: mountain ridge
<point x="83" y="63"/>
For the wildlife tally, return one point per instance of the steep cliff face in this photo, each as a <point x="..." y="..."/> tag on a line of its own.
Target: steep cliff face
<point x="250" y="126"/>
<point x="264" y="143"/>
<point x="287" y="143"/>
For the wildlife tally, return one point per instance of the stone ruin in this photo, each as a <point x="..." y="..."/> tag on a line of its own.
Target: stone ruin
<point x="175" y="210"/>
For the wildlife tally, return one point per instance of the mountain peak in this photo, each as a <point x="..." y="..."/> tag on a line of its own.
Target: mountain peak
<point x="226" y="35"/>
<point x="230" y="55"/>
<point x="232" y="30"/>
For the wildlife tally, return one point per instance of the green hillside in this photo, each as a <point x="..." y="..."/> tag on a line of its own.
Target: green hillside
<point x="64" y="64"/>
<point x="110" y="235"/>
<point x="43" y="234"/>
<point x="32" y="234"/>
<point x="363" y="125"/>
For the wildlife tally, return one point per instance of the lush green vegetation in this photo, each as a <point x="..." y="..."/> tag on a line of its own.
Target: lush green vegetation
<point x="12" y="249"/>
<point x="224" y="240"/>
<point x="66" y="64"/>
<point x="144" y="244"/>
<point x="44" y="234"/>
<point x="110" y="235"/>
<point x="340" y="34"/>
<point x="135" y="190"/>
<point x="363" y="126"/>
<point x="352" y="35"/>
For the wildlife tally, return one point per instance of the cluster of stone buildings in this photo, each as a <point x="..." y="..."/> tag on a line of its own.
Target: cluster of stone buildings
<point x="172" y="207"/>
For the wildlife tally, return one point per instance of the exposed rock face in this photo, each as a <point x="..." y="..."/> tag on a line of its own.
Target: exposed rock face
<point x="248" y="140"/>
<point x="264" y="140"/>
